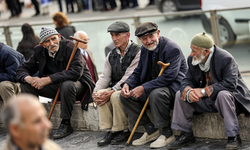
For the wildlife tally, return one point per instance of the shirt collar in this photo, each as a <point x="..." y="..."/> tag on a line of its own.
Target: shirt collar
<point x="126" y="50"/>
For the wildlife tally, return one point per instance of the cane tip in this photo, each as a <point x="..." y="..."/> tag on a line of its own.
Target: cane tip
<point x="126" y="144"/>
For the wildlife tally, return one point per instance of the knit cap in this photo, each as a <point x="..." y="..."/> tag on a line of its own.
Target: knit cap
<point x="202" y="40"/>
<point x="47" y="32"/>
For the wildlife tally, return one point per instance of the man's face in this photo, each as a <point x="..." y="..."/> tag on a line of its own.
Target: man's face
<point x="197" y="55"/>
<point x="151" y="41"/>
<point x="35" y="125"/>
<point x="85" y="38"/>
<point x="120" y="39"/>
<point x="52" y="43"/>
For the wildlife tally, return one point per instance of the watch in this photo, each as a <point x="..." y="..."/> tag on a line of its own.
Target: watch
<point x="203" y="92"/>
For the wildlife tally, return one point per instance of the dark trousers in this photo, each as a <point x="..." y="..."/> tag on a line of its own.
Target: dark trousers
<point x="13" y="7"/>
<point x="69" y="92"/>
<point x="112" y="4"/>
<point x="35" y="3"/>
<point x="69" y="2"/>
<point x="134" y="2"/>
<point x="125" y="3"/>
<point x="60" y="4"/>
<point x="161" y="100"/>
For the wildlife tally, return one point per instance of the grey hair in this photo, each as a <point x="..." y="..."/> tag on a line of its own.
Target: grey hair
<point x="11" y="113"/>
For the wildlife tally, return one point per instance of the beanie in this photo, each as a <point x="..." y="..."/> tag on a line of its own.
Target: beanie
<point x="46" y="32"/>
<point x="202" y="40"/>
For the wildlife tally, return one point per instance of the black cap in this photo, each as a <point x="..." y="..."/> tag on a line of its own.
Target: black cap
<point x="118" y="26"/>
<point x="145" y="29"/>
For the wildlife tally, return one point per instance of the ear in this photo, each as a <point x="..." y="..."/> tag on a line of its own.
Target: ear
<point x="158" y="33"/>
<point x="206" y="52"/>
<point x="42" y="45"/>
<point x="128" y="34"/>
<point x="59" y="35"/>
<point x="14" y="130"/>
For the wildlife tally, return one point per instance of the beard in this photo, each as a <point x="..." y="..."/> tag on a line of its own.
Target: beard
<point x="154" y="47"/>
<point x="50" y="48"/>
<point x="197" y="60"/>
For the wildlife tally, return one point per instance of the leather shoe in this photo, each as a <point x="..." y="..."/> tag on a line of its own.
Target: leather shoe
<point x="120" y="137"/>
<point x="233" y="143"/>
<point x="146" y="138"/>
<point x="184" y="139"/>
<point x="107" y="139"/>
<point x="63" y="131"/>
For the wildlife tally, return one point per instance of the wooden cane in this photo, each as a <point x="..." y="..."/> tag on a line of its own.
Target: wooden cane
<point x="70" y="59"/>
<point x="146" y="104"/>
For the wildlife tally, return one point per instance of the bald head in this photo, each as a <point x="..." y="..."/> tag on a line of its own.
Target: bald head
<point x="84" y="36"/>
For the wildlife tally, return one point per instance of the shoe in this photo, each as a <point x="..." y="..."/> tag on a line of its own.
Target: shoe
<point x="184" y="139"/>
<point x="63" y="131"/>
<point x="120" y="138"/>
<point x="107" y="139"/>
<point x="146" y="138"/>
<point x="37" y="14"/>
<point x="233" y="143"/>
<point x="162" y="141"/>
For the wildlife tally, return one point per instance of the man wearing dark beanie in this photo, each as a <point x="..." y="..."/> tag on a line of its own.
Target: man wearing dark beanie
<point x="144" y="82"/>
<point x="50" y="58"/>
<point x="213" y="83"/>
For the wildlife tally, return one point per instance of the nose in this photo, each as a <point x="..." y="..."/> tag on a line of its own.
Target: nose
<point x="51" y="42"/>
<point x="192" y="54"/>
<point x="148" y="40"/>
<point x="47" y="123"/>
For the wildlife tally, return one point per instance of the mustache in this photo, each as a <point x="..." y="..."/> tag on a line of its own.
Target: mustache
<point x="150" y="43"/>
<point x="55" y="45"/>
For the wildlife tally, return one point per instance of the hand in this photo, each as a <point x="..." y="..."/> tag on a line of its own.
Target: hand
<point x="137" y="92"/>
<point x="30" y="79"/>
<point x="125" y="91"/>
<point x="39" y="83"/>
<point x="105" y="96"/>
<point x="195" y="95"/>
<point x="96" y="98"/>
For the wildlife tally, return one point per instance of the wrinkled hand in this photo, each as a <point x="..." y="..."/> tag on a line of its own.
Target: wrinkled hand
<point x="125" y="91"/>
<point x="195" y="95"/>
<point x="30" y="79"/>
<point x="39" y="83"/>
<point x="105" y="96"/>
<point x="137" y="92"/>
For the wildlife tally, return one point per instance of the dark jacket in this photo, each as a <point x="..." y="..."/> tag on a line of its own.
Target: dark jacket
<point x="10" y="59"/>
<point x="225" y="76"/>
<point x="78" y="71"/>
<point x="67" y="31"/>
<point x="26" y="52"/>
<point x="169" y="52"/>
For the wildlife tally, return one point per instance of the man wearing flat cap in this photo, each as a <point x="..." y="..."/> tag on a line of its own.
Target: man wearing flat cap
<point x="119" y="65"/>
<point x="144" y="82"/>
<point x="50" y="58"/>
<point x="213" y="83"/>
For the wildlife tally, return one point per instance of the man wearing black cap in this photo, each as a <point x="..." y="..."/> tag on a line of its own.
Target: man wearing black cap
<point x="119" y="65"/>
<point x="144" y="82"/>
<point x="50" y="58"/>
<point x="213" y="83"/>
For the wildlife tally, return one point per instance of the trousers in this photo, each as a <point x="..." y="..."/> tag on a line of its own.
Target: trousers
<point x="9" y="89"/>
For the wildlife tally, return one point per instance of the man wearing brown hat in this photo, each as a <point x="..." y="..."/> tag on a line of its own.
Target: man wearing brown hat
<point x="50" y="58"/>
<point x="119" y="65"/>
<point x="144" y="82"/>
<point x="212" y="84"/>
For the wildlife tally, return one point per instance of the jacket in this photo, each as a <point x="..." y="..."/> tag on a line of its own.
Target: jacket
<point x="10" y="60"/>
<point x="169" y="52"/>
<point x="78" y="71"/>
<point x="225" y="76"/>
<point x="67" y="31"/>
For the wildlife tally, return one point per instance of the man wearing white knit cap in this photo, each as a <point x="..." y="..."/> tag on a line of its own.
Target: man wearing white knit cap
<point x="50" y="58"/>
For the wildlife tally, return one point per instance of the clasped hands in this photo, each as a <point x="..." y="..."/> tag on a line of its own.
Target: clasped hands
<point x="37" y="82"/>
<point x="195" y="95"/>
<point x="136" y="92"/>
<point x="102" y="98"/>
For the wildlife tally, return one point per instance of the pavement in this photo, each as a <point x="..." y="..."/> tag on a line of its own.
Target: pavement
<point x="85" y="140"/>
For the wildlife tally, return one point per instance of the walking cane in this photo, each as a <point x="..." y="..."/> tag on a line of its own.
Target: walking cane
<point x="146" y="104"/>
<point x="70" y="59"/>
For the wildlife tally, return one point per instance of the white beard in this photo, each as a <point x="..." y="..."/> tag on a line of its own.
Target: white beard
<point x="198" y="60"/>
<point x="154" y="47"/>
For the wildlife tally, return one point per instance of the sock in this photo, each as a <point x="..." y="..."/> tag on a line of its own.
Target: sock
<point x="66" y="121"/>
<point x="149" y="127"/>
<point x="167" y="132"/>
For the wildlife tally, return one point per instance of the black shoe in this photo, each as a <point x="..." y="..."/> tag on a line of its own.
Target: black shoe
<point x="233" y="143"/>
<point x="107" y="139"/>
<point x="37" y="14"/>
<point x="184" y="139"/>
<point x="63" y="131"/>
<point x="120" y="137"/>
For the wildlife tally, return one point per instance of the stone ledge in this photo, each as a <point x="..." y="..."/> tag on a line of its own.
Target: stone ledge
<point x="207" y="125"/>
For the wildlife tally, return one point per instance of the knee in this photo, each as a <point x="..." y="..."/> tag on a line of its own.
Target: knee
<point x="6" y="85"/>
<point x="115" y="97"/>
<point x="68" y="86"/>
<point x="223" y="96"/>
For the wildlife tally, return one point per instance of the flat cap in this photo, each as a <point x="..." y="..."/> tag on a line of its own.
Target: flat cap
<point x="145" y="29"/>
<point x="118" y="26"/>
<point x="202" y="40"/>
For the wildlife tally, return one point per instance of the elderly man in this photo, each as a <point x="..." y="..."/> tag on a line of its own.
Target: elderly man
<point x="87" y="54"/>
<point x="25" y="119"/>
<point x="10" y="60"/>
<point x="50" y="58"/>
<point x="212" y="84"/>
<point x="119" y="64"/>
<point x="144" y="82"/>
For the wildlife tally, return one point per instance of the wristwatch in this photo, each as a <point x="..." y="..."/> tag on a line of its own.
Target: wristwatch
<point x="203" y="92"/>
<point x="113" y="88"/>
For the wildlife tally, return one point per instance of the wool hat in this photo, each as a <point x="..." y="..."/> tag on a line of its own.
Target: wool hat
<point x="118" y="27"/>
<point x="46" y="32"/>
<point x="202" y="40"/>
<point x="145" y="29"/>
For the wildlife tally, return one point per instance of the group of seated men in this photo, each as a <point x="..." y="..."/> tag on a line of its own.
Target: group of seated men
<point x="211" y="83"/>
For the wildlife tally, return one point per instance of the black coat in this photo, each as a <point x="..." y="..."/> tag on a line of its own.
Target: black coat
<point x="67" y="31"/>
<point x="78" y="71"/>
<point x="225" y="76"/>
